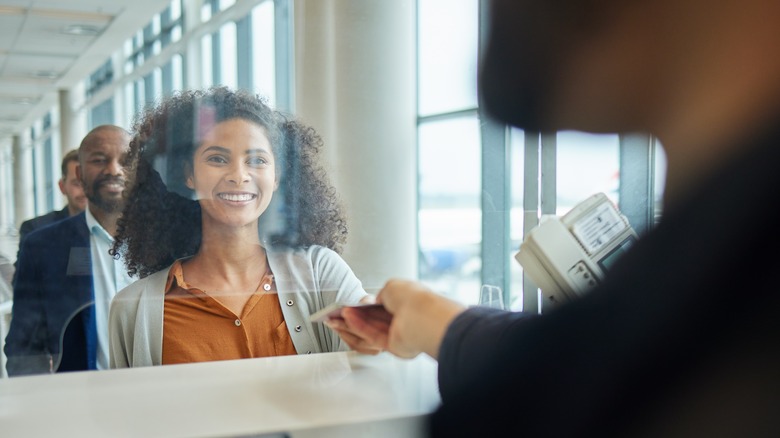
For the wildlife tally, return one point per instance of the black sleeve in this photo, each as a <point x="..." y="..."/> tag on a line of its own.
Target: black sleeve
<point x="472" y="342"/>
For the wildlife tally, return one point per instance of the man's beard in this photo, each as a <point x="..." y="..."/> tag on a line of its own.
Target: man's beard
<point x="107" y="205"/>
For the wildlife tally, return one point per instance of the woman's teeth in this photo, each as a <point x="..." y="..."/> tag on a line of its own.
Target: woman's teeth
<point x="236" y="198"/>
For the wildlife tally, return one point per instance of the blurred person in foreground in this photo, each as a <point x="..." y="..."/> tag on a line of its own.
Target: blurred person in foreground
<point x="683" y="338"/>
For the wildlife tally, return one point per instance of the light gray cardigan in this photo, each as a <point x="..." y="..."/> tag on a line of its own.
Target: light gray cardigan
<point x="306" y="280"/>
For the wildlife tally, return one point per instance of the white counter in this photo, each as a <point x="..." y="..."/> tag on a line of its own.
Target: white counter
<point x="322" y="395"/>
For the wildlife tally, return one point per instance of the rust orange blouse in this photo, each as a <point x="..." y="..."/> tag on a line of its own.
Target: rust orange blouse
<point x="198" y="328"/>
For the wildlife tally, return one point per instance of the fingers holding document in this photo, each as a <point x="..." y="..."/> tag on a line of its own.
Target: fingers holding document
<point x="412" y="320"/>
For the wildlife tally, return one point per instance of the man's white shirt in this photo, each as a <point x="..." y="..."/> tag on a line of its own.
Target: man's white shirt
<point x="109" y="276"/>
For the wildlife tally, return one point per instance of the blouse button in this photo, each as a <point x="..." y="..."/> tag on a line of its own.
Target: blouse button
<point x="297" y="328"/>
<point x="238" y="323"/>
<point x="267" y="287"/>
<point x="289" y="302"/>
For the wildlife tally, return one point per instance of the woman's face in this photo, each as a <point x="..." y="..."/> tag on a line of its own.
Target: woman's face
<point x="233" y="174"/>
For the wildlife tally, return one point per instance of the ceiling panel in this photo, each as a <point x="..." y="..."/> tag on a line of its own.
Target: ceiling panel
<point x="43" y="34"/>
<point x="10" y="110"/>
<point x="96" y="6"/>
<point x="32" y="43"/>
<point x="10" y="25"/>
<point x="34" y="66"/>
<point x="24" y="87"/>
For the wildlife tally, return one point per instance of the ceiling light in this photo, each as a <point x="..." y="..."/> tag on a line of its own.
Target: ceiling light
<point x="81" y="30"/>
<point x="46" y="74"/>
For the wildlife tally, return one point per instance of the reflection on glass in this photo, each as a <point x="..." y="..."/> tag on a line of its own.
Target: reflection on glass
<point x="157" y="83"/>
<point x="516" y="184"/>
<point x="206" y="60"/>
<point x="491" y="296"/>
<point x="228" y="54"/>
<point x="587" y="164"/>
<point x="263" y="65"/>
<point x="450" y="224"/>
<point x="175" y="9"/>
<point x="177" y="72"/>
<point x="660" y="179"/>
<point x="447" y="55"/>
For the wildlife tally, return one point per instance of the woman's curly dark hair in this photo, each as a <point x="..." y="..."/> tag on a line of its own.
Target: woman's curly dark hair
<point x="161" y="222"/>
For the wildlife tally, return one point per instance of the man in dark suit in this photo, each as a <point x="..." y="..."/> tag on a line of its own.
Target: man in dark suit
<point x="65" y="277"/>
<point x="683" y="337"/>
<point x="70" y="186"/>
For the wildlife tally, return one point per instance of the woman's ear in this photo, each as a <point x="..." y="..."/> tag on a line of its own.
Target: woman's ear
<point x="277" y="177"/>
<point x="188" y="173"/>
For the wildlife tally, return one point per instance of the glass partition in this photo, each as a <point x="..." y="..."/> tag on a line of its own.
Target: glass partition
<point x="384" y="95"/>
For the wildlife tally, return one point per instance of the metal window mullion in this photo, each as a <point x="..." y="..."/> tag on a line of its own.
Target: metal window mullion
<point x="48" y="165"/>
<point x="149" y="89"/>
<point x="548" y="202"/>
<point x="244" y="61"/>
<point x="496" y="200"/>
<point x="284" y="64"/>
<point x="216" y="48"/>
<point x="165" y="39"/>
<point x="137" y="97"/>
<point x="216" y="58"/>
<point x="495" y="204"/>
<point x="548" y="165"/>
<point x="531" y="181"/>
<point x="539" y="197"/>
<point x="637" y="175"/>
<point x="167" y="78"/>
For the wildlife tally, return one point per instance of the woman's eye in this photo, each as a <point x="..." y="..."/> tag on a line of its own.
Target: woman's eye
<point x="256" y="161"/>
<point x="217" y="159"/>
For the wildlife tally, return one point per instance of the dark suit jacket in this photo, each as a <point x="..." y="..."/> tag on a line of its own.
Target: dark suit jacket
<point x="683" y="339"/>
<point x="33" y="224"/>
<point x="53" y="312"/>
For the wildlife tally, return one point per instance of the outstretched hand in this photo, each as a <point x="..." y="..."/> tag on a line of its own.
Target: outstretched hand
<point x="413" y="321"/>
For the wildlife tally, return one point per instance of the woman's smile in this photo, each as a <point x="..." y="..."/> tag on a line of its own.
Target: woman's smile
<point x="237" y="197"/>
<point x="233" y="174"/>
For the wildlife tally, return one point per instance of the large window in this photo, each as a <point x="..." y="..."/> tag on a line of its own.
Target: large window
<point x="228" y="43"/>
<point x="483" y="185"/>
<point x="450" y="220"/>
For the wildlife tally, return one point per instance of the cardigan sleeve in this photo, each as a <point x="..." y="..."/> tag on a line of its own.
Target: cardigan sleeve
<point x="135" y="323"/>
<point x="308" y="280"/>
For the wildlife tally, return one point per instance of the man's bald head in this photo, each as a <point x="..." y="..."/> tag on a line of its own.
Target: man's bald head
<point x="98" y="134"/>
<point x="101" y="156"/>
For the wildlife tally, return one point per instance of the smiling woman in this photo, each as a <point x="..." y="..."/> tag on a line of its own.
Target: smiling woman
<point x="233" y="176"/>
<point x="237" y="247"/>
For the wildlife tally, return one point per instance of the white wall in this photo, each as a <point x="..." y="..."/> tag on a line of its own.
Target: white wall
<point x="355" y="83"/>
